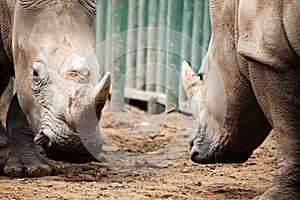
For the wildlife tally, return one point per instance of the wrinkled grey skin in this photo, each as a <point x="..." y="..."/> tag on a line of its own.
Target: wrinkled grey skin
<point x="255" y="50"/>
<point x="48" y="47"/>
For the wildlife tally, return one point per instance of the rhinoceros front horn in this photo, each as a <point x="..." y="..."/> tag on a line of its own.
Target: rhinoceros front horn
<point x="190" y="80"/>
<point x="101" y="92"/>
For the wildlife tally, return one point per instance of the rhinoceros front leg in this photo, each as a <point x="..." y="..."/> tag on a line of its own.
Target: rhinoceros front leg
<point x="3" y="136"/>
<point x="278" y="93"/>
<point x="23" y="158"/>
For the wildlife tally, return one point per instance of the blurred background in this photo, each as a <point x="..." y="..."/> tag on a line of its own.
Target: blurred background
<point x="143" y="43"/>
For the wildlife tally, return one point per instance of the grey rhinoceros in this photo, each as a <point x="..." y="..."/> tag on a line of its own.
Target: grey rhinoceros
<point x="48" y="47"/>
<point x="249" y="83"/>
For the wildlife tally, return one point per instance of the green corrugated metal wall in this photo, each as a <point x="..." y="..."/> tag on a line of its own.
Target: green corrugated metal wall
<point x="143" y="43"/>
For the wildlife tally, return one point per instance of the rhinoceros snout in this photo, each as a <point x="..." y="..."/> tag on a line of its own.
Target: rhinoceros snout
<point x="194" y="155"/>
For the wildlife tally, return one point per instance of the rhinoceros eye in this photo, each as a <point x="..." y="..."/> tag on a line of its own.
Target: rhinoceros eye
<point x="200" y="76"/>
<point x="39" y="72"/>
<point x="36" y="70"/>
<point x="35" y="73"/>
<point x="35" y="76"/>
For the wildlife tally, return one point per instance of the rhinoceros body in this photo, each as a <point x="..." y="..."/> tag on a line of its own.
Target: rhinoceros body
<point x="48" y="47"/>
<point x="255" y="53"/>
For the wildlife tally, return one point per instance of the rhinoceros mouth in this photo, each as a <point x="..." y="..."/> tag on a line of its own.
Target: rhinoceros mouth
<point x="202" y="156"/>
<point x="209" y="150"/>
<point x="69" y="156"/>
<point x="68" y="145"/>
<point x="201" y="150"/>
<point x="63" y="139"/>
<point x="76" y="153"/>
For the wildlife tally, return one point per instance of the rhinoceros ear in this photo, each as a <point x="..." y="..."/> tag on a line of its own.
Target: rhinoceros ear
<point x="100" y="93"/>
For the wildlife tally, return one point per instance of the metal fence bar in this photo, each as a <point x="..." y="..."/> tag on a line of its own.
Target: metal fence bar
<point x="100" y="31"/>
<point x="108" y="34"/>
<point x="197" y="34"/>
<point x="100" y="22"/>
<point x="118" y="66"/>
<point x="141" y="41"/>
<point x="173" y="61"/>
<point x="131" y="43"/>
<point x="161" y="43"/>
<point x="151" y="58"/>
<point x="187" y="30"/>
<point x="206" y="27"/>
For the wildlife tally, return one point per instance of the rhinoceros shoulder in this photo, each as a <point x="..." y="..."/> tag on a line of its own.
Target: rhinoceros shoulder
<point x="262" y="35"/>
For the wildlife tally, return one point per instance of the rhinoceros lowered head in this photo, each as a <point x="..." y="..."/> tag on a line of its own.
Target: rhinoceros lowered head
<point x="48" y="46"/>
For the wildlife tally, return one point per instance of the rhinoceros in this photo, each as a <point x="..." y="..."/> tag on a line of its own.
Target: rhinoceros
<point x="249" y="84"/>
<point x="48" y="46"/>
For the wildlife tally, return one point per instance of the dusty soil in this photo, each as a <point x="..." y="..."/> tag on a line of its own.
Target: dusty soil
<point x="147" y="159"/>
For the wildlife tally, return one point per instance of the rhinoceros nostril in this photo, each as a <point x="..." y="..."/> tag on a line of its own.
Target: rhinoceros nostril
<point x="195" y="155"/>
<point x="41" y="138"/>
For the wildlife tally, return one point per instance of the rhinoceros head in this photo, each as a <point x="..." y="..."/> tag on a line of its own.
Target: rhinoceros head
<point x="225" y="128"/>
<point x="69" y="112"/>
<point x="59" y="86"/>
<point x="207" y="97"/>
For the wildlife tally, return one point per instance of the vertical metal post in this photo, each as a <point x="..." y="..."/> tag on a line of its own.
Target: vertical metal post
<point x="108" y="34"/>
<point x="141" y="42"/>
<point x="151" y="40"/>
<point x="187" y="30"/>
<point x="161" y="44"/>
<point x="197" y="35"/>
<point x="118" y="66"/>
<point x="206" y="26"/>
<point x="131" y="43"/>
<point x="100" y="29"/>
<point x="174" y="20"/>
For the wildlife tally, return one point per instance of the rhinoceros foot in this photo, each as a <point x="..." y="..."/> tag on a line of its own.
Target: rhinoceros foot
<point x="280" y="191"/>
<point x="22" y="158"/>
<point x="31" y="167"/>
<point x="285" y="186"/>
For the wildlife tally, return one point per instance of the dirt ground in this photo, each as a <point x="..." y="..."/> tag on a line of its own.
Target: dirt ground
<point x="147" y="158"/>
